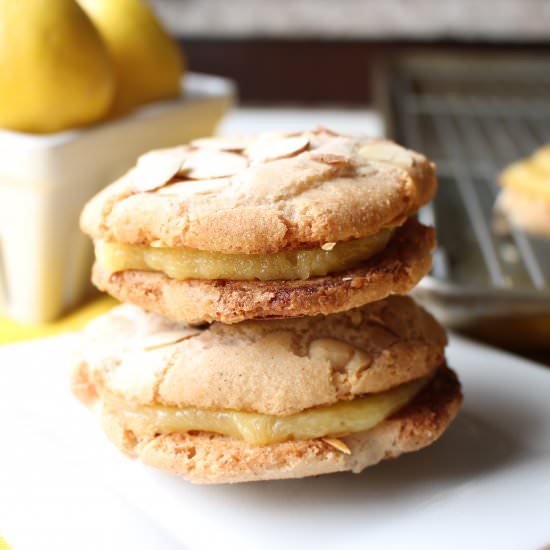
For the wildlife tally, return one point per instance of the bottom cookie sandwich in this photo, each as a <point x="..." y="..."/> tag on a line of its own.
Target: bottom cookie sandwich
<point x="269" y="399"/>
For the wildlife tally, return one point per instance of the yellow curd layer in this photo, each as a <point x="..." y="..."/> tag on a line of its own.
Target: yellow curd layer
<point x="188" y="263"/>
<point x="341" y="418"/>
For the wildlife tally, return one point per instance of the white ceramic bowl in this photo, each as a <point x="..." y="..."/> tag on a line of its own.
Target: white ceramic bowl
<point x="46" y="179"/>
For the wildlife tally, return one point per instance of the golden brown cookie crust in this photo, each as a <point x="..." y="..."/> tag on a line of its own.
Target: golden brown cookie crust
<point x="338" y="188"/>
<point x="209" y="458"/>
<point x="396" y="270"/>
<point x="529" y="212"/>
<point x="275" y="367"/>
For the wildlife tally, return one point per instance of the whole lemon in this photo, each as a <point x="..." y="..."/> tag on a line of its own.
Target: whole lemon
<point x="148" y="62"/>
<point x="55" y="71"/>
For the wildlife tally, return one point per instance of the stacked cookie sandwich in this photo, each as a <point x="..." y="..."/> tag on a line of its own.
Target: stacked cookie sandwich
<point x="264" y="336"/>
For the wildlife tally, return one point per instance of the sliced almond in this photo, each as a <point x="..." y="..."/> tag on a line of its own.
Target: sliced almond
<point x="156" y="168"/>
<point x="329" y="158"/>
<point x="273" y="148"/>
<point x="224" y="143"/>
<point x="320" y="129"/>
<point x="194" y="187"/>
<point x="328" y="246"/>
<point x="387" y="152"/>
<point x="329" y="350"/>
<point x="204" y="164"/>
<point x="168" y="338"/>
<point x="338" y="444"/>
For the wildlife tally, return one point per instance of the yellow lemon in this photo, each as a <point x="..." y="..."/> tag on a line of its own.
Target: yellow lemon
<point x="55" y="71"/>
<point x="148" y="62"/>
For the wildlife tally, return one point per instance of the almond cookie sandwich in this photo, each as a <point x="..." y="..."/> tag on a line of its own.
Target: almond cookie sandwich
<point x="268" y="226"/>
<point x="525" y="195"/>
<point x="272" y="399"/>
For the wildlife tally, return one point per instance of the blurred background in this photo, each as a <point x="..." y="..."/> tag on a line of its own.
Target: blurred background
<point x="323" y="51"/>
<point x="465" y="82"/>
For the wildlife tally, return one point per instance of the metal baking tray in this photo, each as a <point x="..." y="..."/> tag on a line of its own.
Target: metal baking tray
<point x="474" y="114"/>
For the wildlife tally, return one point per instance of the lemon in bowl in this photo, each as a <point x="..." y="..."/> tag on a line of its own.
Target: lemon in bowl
<point x="148" y="62"/>
<point x="55" y="70"/>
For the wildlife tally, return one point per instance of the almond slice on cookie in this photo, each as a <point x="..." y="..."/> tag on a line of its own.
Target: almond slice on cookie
<point x="338" y="444"/>
<point x="156" y="168"/>
<point x="168" y="338"/>
<point x="205" y="164"/>
<point x="194" y="187"/>
<point x="273" y="148"/>
<point x="388" y="153"/>
<point x="234" y="144"/>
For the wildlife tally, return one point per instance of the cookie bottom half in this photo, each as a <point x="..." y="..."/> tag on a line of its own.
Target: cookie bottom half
<point x="209" y="458"/>
<point x="396" y="270"/>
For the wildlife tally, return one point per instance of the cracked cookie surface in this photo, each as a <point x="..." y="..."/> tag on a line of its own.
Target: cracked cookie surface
<point x="277" y="367"/>
<point x="262" y="195"/>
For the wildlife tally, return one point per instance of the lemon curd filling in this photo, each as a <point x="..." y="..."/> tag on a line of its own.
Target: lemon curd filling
<point x="261" y="429"/>
<point x="186" y="263"/>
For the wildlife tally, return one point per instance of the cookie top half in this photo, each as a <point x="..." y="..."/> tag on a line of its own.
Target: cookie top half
<point x="262" y="194"/>
<point x="277" y="367"/>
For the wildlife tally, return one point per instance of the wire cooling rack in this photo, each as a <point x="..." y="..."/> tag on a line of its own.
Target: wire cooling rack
<point x="473" y="116"/>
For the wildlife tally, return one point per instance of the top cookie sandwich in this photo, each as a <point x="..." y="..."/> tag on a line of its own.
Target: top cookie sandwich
<point x="267" y="226"/>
